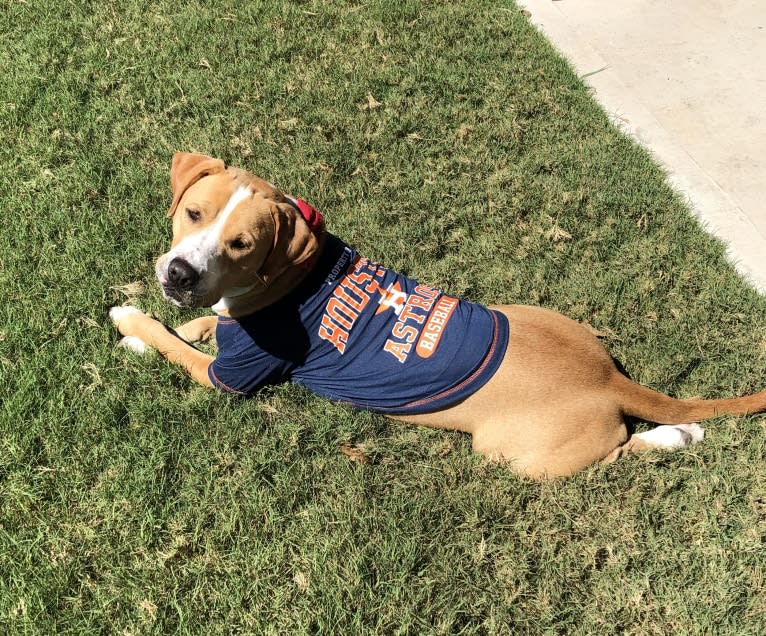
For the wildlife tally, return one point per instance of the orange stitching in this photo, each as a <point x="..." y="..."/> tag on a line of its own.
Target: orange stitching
<point x="220" y="383"/>
<point x="471" y="378"/>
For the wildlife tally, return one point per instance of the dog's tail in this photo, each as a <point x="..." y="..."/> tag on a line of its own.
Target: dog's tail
<point x="646" y="404"/>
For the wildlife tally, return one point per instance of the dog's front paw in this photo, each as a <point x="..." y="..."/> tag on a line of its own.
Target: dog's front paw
<point x="134" y="344"/>
<point x="127" y="319"/>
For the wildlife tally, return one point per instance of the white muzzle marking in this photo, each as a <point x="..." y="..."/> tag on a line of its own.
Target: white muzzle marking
<point x="201" y="249"/>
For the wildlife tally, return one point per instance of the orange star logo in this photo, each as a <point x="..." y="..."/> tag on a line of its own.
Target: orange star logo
<point x="392" y="298"/>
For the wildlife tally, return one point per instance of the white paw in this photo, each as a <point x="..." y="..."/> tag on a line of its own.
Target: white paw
<point x="118" y="313"/>
<point x="133" y="343"/>
<point x="676" y="436"/>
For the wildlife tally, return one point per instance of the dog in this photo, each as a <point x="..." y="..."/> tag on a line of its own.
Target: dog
<point x="292" y="301"/>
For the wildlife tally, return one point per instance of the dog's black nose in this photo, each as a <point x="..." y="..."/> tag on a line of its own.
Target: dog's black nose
<point x="181" y="275"/>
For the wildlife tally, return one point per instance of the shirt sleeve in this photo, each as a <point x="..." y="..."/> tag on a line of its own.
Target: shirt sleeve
<point x="246" y="376"/>
<point x="242" y="366"/>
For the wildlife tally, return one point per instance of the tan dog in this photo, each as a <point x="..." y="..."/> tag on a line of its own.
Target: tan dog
<point x="556" y="403"/>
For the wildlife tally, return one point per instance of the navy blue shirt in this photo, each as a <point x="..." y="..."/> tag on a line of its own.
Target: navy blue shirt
<point x="356" y="332"/>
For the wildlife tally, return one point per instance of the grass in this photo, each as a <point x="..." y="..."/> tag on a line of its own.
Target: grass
<point x="447" y="140"/>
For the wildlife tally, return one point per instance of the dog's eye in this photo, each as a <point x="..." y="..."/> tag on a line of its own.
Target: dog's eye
<point x="237" y="244"/>
<point x="194" y="215"/>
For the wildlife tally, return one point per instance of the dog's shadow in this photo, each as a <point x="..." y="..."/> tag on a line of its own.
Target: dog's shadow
<point x="265" y="323"/>
<point x="630" y="421"/>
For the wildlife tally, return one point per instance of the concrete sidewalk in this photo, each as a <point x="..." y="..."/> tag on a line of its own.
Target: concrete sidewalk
<point x="687" y="78"/>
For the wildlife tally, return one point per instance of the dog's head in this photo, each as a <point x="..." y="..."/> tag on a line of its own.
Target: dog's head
<point x="234" y="234"/>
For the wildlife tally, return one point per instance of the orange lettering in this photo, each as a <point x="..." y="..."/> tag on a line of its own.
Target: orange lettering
<point x="340" y="313"/>
<point x="427" y="292"/>
<point x="408" y="313"/>
<point x="419" y="301"/>
<point x="408" y="333"/>
<point x="358" y="276"/>
<point x="434" y="328"/>
<point x="359" y="302"/>
<point x="424" y="345"/>
<point x="398" y="349"/>
<point x="374" y="285"/>
<point x="331" y="332"/>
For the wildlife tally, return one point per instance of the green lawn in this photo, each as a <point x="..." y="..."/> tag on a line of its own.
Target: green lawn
<point x="446" y="140"/>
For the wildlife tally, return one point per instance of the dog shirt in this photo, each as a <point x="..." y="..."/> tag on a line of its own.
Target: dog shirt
<point x="354" y="331"/>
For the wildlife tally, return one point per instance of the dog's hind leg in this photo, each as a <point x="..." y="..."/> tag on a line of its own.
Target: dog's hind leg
<point x="545" y="442"/>
<point x="197" y="330"/>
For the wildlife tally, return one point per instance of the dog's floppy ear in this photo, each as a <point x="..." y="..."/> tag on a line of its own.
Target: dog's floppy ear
<point x="188" y="168"/>
<point x="294" y="242"/>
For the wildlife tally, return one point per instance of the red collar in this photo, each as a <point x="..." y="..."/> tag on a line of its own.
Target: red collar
<point x="312" y="216"/>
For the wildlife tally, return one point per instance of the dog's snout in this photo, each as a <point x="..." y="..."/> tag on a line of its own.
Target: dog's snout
<point x="181" y="274"/>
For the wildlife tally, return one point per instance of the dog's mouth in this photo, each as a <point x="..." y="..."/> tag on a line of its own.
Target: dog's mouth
<point x="181" y="284"/>
<point x="182" y="297"/>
